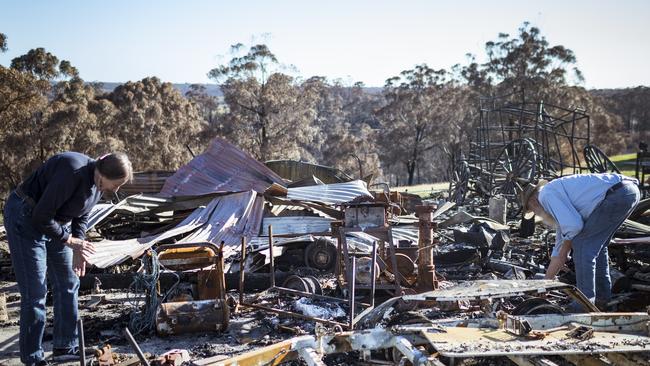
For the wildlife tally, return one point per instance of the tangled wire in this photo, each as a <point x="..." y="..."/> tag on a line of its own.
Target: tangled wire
<point x="145" y="285"/>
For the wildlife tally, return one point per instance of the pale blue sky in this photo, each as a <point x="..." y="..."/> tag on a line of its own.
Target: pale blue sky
<point x="369" y="41"/>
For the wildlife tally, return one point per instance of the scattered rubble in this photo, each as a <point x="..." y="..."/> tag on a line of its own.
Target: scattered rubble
<point x="230" y="263"/>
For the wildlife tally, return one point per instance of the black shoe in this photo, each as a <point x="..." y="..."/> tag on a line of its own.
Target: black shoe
<point x="70" y="354"/>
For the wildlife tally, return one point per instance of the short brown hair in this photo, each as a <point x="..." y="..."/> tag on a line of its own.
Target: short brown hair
<point x="115" y="166"/>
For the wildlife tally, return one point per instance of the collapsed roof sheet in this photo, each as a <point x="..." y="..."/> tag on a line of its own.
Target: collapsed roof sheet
<point x="299" y="170"/>
<point x="226" y="218"/>
<point x="145" y="182"/>
<point x="223" y="167"/>
<point x="330" y="194"/>
<point x="99" y="212"/>
<point x="238" y="216"/>
<point x="145" y="204"/>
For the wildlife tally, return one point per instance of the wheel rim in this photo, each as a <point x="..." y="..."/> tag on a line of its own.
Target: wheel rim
<point x="459" y="182"/>
<point x="513" y="168"/>
<point x="320" y="255"/>
<point x="597" y="161"/>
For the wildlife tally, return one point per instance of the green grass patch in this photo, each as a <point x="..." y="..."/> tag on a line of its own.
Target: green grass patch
<point x="623" y="158"/>
<point x="626" y="163"/>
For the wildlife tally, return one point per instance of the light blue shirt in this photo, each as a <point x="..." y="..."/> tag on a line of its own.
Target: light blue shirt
<point x="571" y="199"/>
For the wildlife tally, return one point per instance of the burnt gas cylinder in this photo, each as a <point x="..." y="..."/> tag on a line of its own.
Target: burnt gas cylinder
<point x="192" y="316"/>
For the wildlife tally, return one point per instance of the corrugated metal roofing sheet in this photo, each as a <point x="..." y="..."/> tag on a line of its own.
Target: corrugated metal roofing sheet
<point x="330" y="193"/>
<point x="223" y="167"/>
<point x="296" y="225"/>
<point x="279" y="209"/>
<point x="298" y="170"/>
<point x="99" y="212"/>
<point x="411" y="233"/>
<point x="236" y="216"/>
<point x="362" y="241"/>
<point x="145" y="204"/>
<point x="261" y="242"/>
<point x="226" y="218"/>
<point x="145" y="182"/>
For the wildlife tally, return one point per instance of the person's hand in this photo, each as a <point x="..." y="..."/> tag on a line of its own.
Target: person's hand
<point x="85" y="248"/>
<point x="78" y="263"/>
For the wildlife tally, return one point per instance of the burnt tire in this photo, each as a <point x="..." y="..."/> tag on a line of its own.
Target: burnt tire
<point x="321" y="255"/>
<point x="536" y="306"/>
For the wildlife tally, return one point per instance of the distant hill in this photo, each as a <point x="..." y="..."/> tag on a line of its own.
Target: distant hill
<point x="213" y="89"/>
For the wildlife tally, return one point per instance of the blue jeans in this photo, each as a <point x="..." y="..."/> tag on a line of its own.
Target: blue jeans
<point x="32" y="254"/>
<point x="590" y="254"/>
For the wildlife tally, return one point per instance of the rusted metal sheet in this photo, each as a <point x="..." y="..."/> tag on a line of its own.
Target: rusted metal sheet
<point x="298" y="170"/>
<point x="226" y="218"/>
<point x="146" y="182"/>
<point x="331" y="194"/>
<point x="192" y="316"/>
<point x="223" y="167"/>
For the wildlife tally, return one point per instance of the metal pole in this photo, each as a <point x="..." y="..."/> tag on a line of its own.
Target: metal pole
<point x="351" y="288"/>
<point x="426" y="269"/>
<point x="373" y="274"/>
<point x="241" y="270"/>
<point x="222" y="277"/>
<point x="135" y="347"/>
<point x="271" y="261"/>
<point x="82" y="342"/>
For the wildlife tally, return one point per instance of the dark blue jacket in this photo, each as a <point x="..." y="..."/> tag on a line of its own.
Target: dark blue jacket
<point x="64" y="191"/>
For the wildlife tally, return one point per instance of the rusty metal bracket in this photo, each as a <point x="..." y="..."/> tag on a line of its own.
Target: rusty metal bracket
<point x="104" y="356"/>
